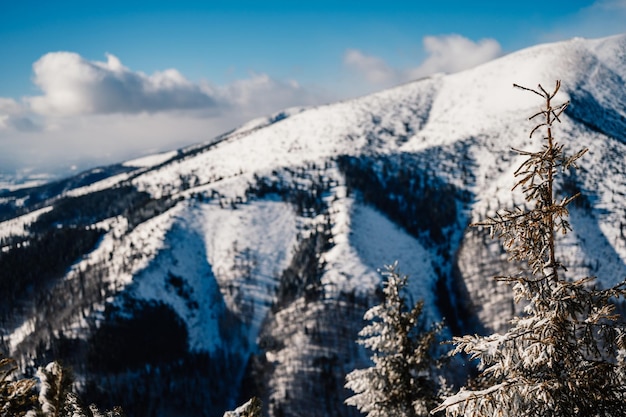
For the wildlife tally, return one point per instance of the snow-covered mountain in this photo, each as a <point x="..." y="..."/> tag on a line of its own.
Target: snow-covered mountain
<point x="186" y="282"/>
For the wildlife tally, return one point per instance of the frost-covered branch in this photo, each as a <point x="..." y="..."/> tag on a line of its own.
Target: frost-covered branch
<point x="565" y="355"/>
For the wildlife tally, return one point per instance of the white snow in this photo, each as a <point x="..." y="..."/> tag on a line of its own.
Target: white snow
<point x="202" y="246"/>
<point x="19" y="225"/>
<point x="215" y="248"/>
<point x="128" y="253"/>
<point x="366" y="241"/>
<point x="150" y="160"/>
<point x="98" y="185"/>
<point x="256" y="239"/>
<point x="312" y="135"/>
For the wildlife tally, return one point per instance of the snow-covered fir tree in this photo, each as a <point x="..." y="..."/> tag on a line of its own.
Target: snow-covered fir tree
<point x="58" y="399"/>
<point x="51" y="396"/>
<point x="402" y="380"/>
<point x="17" y="396"/>
<point x="252" y="408"/>
<point x="55" y="393"/>
<point x="565" y="355"/>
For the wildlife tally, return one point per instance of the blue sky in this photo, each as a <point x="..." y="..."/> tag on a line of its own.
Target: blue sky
<point x="84" y="83"/>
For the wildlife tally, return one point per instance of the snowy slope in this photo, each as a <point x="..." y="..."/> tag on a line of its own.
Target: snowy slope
<point x="266" y="242"/>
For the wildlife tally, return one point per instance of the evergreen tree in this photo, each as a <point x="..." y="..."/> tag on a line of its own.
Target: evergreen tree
<point x="401" y="382"/>
<point x="55" y="394"/>
<point x="56" y="397"/>
<point x="17" y="397"/>
<point x="565" y="355"/>
<point x="252" y="408"/>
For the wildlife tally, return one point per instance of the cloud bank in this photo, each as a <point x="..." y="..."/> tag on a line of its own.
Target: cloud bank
<point x="448" y="54"/>
<point x="95" y="112"/>
<point x="73" y="85"/>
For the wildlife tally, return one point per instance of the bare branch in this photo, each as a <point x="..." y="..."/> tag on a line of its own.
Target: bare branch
<point x="527" y="89"/>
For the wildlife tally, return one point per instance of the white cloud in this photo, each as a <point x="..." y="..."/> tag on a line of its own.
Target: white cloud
<point x="374" y="69"/>
<point x="14" y="116"/>
<point x="261" y="95"/>
<point x="610" y="4"/>
<point x="73" y="85"/>
<point x="92" y="113"/>
<point x="454" y="53"/>
<point x="8" y="105"/>
<point x="8" y="108"/>
<point x="91" y="140"/>
<point x="447" y="53"/>
<point x="602" y="18"/>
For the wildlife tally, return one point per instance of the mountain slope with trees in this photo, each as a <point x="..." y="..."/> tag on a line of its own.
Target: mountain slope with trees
<point x="258" y="251"/>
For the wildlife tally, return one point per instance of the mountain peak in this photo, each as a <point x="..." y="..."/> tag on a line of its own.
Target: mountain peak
<point x="261" y="248"/>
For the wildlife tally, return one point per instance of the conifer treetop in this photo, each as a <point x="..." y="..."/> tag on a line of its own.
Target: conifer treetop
<point x="529" y="235"/>
<point x="16" y="396"/>
<point x="565" y="355"/>
<point x="401" y="382"/>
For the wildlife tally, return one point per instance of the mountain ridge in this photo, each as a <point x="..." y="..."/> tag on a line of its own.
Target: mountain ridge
<point x="263" y="245"/>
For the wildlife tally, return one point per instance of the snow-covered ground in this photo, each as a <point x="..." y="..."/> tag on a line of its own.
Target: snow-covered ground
<point x="217" y="250"/>
<point x="150" y="160"/>
<point x="18" y="226"/>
